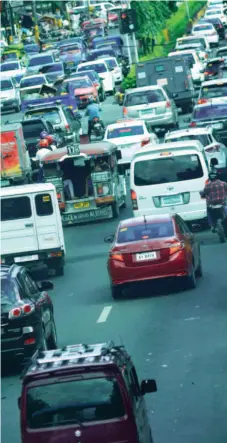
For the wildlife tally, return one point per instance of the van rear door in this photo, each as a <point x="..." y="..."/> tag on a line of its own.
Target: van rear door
<point x="45" y="210"/>
<point x="18" y="225"/>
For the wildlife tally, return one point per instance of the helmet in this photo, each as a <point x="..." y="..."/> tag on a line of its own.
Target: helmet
<point x="213" y="175"/>
<point x="50" y="139"/>
<point x="44" y="143"/>
<point x="43" y="134"/>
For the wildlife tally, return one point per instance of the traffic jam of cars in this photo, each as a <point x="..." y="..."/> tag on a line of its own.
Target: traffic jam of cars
<point x="154" y="177"/>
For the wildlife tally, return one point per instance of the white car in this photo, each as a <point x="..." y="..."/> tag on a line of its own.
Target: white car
<point x="207" y="137"/>
<point x="216" y="13"/>
<point x="102" y="69"/>
<point x="113" y="65"/>
<point x="102" y="8"/>
<point x="214" y="91"/>
<point x="130" y="136"/>
<point x="12" y="69"/>
<point x="208" y="30"/>
<point x="9" y="95"/>
<point x="195" y="64"/>
<point x="198" y="43"/>
<point x="32" y="81"/>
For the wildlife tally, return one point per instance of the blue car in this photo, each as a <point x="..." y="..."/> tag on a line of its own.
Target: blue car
<point x="72" y="54"/>
<point x="31" y="49"/>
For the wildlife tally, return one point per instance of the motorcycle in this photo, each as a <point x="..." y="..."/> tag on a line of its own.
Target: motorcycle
<point x="219" y="221"/>
<point x="97" y="128"/>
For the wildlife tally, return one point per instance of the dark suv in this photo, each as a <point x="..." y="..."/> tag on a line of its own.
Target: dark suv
<point x="27" y="316"/>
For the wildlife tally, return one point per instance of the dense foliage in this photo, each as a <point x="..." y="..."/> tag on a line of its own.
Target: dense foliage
<point x="152" y="15"/>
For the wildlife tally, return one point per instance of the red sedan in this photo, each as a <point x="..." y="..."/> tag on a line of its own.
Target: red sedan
<point x="152" y="247"/>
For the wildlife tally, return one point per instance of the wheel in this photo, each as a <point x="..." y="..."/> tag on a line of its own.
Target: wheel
<point x="124" y="204"/>
<point x="116" y="211"/>
<point x="59" y="271"/>
<point x="191" y="280"/>
<point x="116" y="292"/>
<point x="52" y="339"/>
<point x="220" y="231"/>
<point x="199" y="270"/>
<point x="113" y="92"/>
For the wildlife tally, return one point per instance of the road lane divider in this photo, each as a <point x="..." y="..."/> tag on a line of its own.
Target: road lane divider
<point x="104" y="314"/>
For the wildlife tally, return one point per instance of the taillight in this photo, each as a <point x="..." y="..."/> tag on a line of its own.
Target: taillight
<point x="117" y="257"/>
<point x="168" y="105"/>
<point x="134" y="200"/>
<point x="207" y="181"/>
<point x="145" y="142"/>
<point x="67" y="127"/>
<point x="208" y="73"/>
<point x="29" y="341"/>
<point x="176" y="247"/>
<point x="23" y="310"/>
<point x="125" y="110"/>
<point x="58" y="196"/>
<point x="215" y="148"/>
<point x="96" y="84"/>
<point x="192" y="124"/>
<point x="202" y="100"/>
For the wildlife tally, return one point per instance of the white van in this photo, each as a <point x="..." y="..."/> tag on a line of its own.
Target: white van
<point x="168" y="178"/>
<point x="31" y="228"/>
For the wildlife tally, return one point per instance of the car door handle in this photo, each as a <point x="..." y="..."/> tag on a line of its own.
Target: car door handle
<point x="29" y="225"/>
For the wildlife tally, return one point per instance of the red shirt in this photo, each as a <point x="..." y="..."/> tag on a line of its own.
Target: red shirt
<point x="216" y="192"/>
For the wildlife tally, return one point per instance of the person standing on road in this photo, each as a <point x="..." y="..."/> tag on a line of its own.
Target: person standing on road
<point x="215" y="193"/>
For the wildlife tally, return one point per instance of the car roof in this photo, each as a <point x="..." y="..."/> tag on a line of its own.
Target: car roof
<point x="136" y="221"/>
<point x="144" y="88"/>
<point x="219" y="81"/>
<point x="152" y="148"/>
<point x="93" y="62"/>
<point x="26" y="189"/>
<point x="189" y="131"/>
<point x="125" y="122"/>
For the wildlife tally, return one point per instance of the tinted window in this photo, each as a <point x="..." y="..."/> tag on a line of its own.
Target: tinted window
<point x="33" y="81"/>
<point x="125" y="132"/>
<point x="203" y="138"/>
<point x="43" y="204"/>
<point x="9" y="67"/>
<point x="210" y="112"/>
<point x="167" y="170"/>
<point x="52" y="68"/>
<point x="145" y="232"/>
<point x="111" y="63"/>
<point x="213" y="91"/>
<point x="192" y="41"/>
<point x="82" y="83"/>
<point x="159" y="68"/>
<point x="9" y="292"/>
<point x="213" y="66"/>
<point x="203" y="28"/>
<point x="144" y="97"/>
<point x="32" y="129"/>
<point x="222" y="52"/>
<point x="15" y="208"/>
<point x="51" y="115"/>
<point x="45" y="59"/>
<point x="98" y="67"/>
<point x="6" y="84"/>
<point x="64" y="404"/>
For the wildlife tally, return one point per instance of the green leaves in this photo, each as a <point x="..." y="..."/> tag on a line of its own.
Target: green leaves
<point x="151" y="16"/>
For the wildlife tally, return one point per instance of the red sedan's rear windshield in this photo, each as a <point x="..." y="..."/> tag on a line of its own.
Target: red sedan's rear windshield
<point x="75" y="401"/>
<point x="145" y="231"/>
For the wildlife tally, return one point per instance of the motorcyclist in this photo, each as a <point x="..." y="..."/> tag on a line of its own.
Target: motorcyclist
<point x="93" y="111"/>
<point x="215" y="193"/>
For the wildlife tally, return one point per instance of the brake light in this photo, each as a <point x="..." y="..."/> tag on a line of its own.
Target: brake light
<point x="168" y="105"/>
<point x="15" y="313"/>
<point x="27" y="309"/>
<point x="215" y="148"/>
<point x="29" y="341"/>
<point x="134" y="200"/>
<point x="202" y="100"/>
<point x="23" y="310"/>
<point x="208" y="73"/>
<point x="176" y="247"/>
<point x="67" y="127"/>
<point x="125" y="110"/>
<point x="96" y="84"/>
<point x="100" y="189"/>
<point x="192" y="124"/>
<point x="117" y="257"/>
<point x="58" y="196"/>
<point x="207" y="181"/>
<point x="145" y="142"/>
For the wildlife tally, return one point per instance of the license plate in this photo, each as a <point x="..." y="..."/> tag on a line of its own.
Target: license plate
<point x="172" y="200"/>
<point x="217" y="125"/>
<point x="26" y="258"/>
<point x="162" y="81"/>
<point x="148" y="112"/>
<point x="70" y="63"/>
<point x="146" y="256"/>
<point x="81" y="205"/>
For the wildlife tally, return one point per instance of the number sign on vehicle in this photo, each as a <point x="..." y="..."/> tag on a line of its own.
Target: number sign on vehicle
<point x="73" y="149"/>
<point x="146" y="256"/>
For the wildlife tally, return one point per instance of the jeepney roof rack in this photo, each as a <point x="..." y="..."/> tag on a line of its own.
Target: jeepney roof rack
<point x="73" y="355"/>
<point x="41" y="105"/>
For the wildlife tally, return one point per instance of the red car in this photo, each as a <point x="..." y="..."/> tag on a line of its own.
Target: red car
<point x="152" y="247"/>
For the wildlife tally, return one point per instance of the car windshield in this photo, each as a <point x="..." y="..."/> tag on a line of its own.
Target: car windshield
<point x="32" y="81"/>
<point x="9" y="292"/>
<point x="145" y="231"/>
<point x="222" y="52"/>
<point x="203" y="138"/>
<point x="125" y="132"/>
<point x="82" y="83"/>
<point x="9" y="67"/>
<point x="210" y="112"/>
<point x="6" y="85"/>
<point x="192" y="41"/>
<point x="144" y="97"/>
<point x="70" y="48"/>
<point x="203" y="28"/>
<point x="98" y="67"/>
<point x="214" y="12"/>
<point x="32" y="129"/>
<point x="214" y="91"/>
<point x="167" y="170"/>
<point x="51" y="115"/>
<point x="75" y="401"/>
<point x="36" y="61"/>
<point x="55" y="67"/>
<point x="92" y="75"/>
<point x="111" y="63"/>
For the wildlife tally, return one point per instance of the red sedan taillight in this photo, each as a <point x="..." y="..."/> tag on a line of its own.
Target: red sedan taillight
<point x="176" y="247"/>
<point x="115" y="256"/>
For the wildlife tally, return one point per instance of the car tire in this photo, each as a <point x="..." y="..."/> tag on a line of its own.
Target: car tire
<point x="52" y="339"/>
<point x="113" y="92"/>
<point x="124" y="204"/>
<point x="191" y="279"/>
<point x="115" y="209"/>
<point x="199" y="270"/>
<point x="103" y="96"/>
<point x="59" y="271"/>
<point x="116" y="292"/>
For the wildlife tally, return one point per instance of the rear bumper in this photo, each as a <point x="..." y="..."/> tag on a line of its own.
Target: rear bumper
<point x="163" y="121"/>
<point x="38" y="259"/>
<point x="98" y="213"/>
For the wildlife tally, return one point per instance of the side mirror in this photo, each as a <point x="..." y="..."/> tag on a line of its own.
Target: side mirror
<point x="19" y="402"/>
<point x="214" y="161"/>
<point x="109" y="239"/>
<point x="118" y="154"/>
<point x="148" y="386"/>
<point x="46" y="285"/>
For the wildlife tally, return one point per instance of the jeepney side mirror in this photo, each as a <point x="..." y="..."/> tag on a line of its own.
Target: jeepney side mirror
<point x="19" y="402"/>
<point x="109" y="239"/>
<point x="148" y="386"/>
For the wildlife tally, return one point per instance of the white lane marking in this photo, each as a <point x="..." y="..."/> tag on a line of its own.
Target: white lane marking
<point x="104" y="314"/>
<point x="192" y="318"/>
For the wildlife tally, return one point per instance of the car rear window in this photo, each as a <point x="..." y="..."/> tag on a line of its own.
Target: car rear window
<point x="125" y="132"/>
<point x="203" y="138"/>
<point x="222" y="52"/>
<point x="214" y="91"/>
<point x="144" y="97"/>
<point x="33" y="81"/>
<point x="51" y="115"/>
<point x="43" y="204"/>
<point x="6" y="85"/>
<point x="36" y="61"/>
<point x="32" y="129"/>
<point x="9" y="67"/>
<point x="213" y="66"/>
<point x="192" y="41"/>
<point x="15" y="208"/>
<point x="202" y="28"/>
<point x="98" y="67"/>
<point x="167" y="170"/>
<point x="81" y="400"/>
<point x="9" y="293"/>
<point x="56" y="67"/>
<point x="145" y="231"/>
<point x="210" y="112"/>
